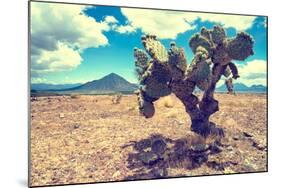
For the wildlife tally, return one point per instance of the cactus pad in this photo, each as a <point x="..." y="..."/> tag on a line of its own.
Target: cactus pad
<point x="177" y="58"/>
<point x="240" y="47"/>
<point x="141" y="58"/>
<point x="154" y="48"/>
<point x="218" y="34"/>
<point x="198" y="40"/>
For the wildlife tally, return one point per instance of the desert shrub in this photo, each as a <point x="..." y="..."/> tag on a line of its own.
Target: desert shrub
<point x="74" y="96"/>
<point x="172" y="114"/>
<point x="116" y="99"/>
<point x="168" y="102"/>
<point x="133" y="108"/>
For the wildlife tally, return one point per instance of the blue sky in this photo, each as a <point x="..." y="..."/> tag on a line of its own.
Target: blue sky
<point x="75" y="43"/>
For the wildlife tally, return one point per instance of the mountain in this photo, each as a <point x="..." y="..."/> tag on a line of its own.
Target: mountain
<point x="239" y="87"/>
<point x="109" y="84"/>
<point x="43" y="86"/>
<point x="259" y="88"/>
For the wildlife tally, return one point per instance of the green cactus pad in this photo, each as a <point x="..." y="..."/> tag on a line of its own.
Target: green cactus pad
<point x="198" y="40"/>
<point x="227" y="72"/>
<point x="177" y="58"/>
<point x="141" y="58"/>
<point x="155" y="49"/>
<point x="199" y="69"/>
<point x="234" y="70"/>
<point x="218" y="34"/>
<point x="146" y="108"/>
<point x="206" y="33"/>
<point x="240" y="47"/>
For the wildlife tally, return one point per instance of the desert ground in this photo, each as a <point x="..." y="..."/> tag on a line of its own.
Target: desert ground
<point x="93" y="138"/>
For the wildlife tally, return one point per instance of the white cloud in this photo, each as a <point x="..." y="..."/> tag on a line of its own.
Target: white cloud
<point x="168" y="24"/>
<point x="164" y="24"/>
<point x="62" y="59"/>
<point x="110" y="19"/>
<point x="253" y="72"/>
<point x="38" y="80"/>
<point x="59" y="32"/>
<point x="125" y="29"/>
<point x="238" y="22"/>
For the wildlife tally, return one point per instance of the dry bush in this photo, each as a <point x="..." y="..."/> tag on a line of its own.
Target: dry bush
<point x="117" y="99"/>
<point x="172" y="114"/>
<point x="75" y="96"/>
<point x="168" y="102"/>
<point x="133" y="108"/>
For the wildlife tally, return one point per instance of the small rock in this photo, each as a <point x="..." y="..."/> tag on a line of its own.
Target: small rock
<point x="237" y="137"/>
<point x="258" y="146"/>
<point x="61" y="115"/>
<point x="143" y="144"/>
<point x="148" y="158"/>
<point x="214" y="148"/>
<point x="247" y="134"/>
<point x="200" y="148"/>
<point x="159" y="146"/>
<point x="198" y="159"/>
<point x="215" y="165"/>
<point x="229" y="148"/>
<point x="76" y="126"/>
<point x="159" y="173"/>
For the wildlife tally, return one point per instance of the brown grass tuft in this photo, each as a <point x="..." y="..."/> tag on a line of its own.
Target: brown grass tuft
<point x="75" y="96"/>
<point x="168" y="102"/>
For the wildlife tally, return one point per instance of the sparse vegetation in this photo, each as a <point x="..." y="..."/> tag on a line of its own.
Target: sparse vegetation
<point x="168" y="102"/>
<point x="94" y="137"/>
<point x="75" y="96"/>
<point x="171" y="114"/>
<point x="117" y="98"/>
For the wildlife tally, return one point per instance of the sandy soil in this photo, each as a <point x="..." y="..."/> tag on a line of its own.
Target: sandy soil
<point x="82" y="139"/>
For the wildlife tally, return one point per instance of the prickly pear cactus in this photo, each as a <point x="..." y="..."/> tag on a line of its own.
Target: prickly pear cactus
<point x="229" y="86"/>
<point x="141" y="62"/>
<point x="154" y="48"/>
<point x="166" y="72"/>
<point x="177" y="61"/>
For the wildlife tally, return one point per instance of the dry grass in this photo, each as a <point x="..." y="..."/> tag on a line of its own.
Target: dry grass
<point x="168" y="102"/>
<point x="171" y="114"/>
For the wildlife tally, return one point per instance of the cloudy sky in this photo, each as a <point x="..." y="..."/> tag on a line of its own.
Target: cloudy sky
<point x="76" y="44"/>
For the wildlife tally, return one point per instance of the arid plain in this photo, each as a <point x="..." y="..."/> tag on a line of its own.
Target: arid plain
<point x="93" y="138"/>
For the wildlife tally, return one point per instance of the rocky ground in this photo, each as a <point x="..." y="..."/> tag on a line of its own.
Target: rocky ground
<point x="80" y="139"/>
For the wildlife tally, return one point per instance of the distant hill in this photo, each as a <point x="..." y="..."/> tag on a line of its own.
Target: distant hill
<point x="239" y="87"/>
<point x="43" y="86"/>
<point x="111" y="83"/>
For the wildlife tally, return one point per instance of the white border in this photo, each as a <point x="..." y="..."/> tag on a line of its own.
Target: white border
<point x="13" y="95"/>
